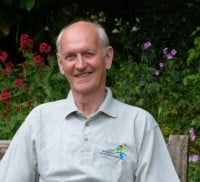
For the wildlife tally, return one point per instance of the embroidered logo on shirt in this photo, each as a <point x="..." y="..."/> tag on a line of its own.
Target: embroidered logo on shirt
<point x="119" y="152"/>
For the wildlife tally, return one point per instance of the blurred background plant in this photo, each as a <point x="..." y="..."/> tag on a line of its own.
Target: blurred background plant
<point x="156" y="63"/>
<point x="28" y="84"/>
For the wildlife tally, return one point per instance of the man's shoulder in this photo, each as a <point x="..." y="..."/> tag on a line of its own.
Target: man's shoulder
<point x="51" y="106"/>
<point x="130" y="108"/>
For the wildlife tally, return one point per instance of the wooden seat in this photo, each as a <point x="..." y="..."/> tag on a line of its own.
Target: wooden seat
<point x="177" y="146"/>
<point x="3" y="147"/>
<point x="178" y="149"/>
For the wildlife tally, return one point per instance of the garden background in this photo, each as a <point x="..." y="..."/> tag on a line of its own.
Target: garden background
<point x="156" y="63"/>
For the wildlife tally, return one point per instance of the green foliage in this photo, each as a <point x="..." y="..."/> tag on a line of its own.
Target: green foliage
<point x="35" y="81"/>
<point x="27" y="4"/>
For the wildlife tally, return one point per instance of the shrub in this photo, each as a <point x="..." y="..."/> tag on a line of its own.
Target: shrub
<point x="25" y="85"/>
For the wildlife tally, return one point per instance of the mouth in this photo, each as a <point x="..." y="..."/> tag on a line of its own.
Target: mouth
<point x="82" y="75"/>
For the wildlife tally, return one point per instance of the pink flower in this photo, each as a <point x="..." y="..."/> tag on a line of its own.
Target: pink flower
<point x="165" y="50"/>
<point x="169" y="56"/>
<point x="157" y="73"/>
<point x="173" y="52"/>
<point x="192" y="135"/>
<point x="161" y="65"/>
<point x="44" y="48"/>
<point x="193" y="158"/>
<point x="147" y="45"/>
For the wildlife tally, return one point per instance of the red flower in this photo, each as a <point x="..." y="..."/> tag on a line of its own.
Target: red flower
<point x="6" y="71"/>
<point x="3" y="56"/>
<point x="44" y="48"/>
<point x="18" y="107"/>
<point x="26" y="89"/>
<point x="38" y="60"/>
<point x="5" y="96"/>
<point x="25" y="64"/>
<point x="26" y="43"/>
<point x="17" y="83"/>
<point x="5" y="113"/>
<point x="5" y="89"/>
<point x="10" y="64"/>
<point x="30" y="102"/>
<point x="21" y="75"/>
<point x="8" y="103"/>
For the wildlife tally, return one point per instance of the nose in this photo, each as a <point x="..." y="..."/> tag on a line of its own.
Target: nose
<point x="80" y="63"/>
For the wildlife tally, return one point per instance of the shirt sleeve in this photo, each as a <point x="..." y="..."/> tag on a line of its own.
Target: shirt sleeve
<point x="19" y="162"/>
<point x="154" y="163"/>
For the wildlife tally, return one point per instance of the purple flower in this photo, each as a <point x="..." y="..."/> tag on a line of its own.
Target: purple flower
<point x="193" y="158"/>
<point x="165" y="50"/>
<point x="161" y="65"/>
<point x="192" y="137"/>
<point x="169" y="56"/>
<point x="157" y="73"/>
<point x="147" y="45"/>
<point x="191" y="131"/>
<point x="173" y="52"/>
<point x="192" y="134"/>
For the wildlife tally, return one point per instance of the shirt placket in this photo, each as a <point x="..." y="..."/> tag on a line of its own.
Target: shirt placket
<point x="86" y="152"/>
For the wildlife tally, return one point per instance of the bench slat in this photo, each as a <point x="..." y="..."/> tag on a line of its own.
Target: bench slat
<point x="178" y="149"/>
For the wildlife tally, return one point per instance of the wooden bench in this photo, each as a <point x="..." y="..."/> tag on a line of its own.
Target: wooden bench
<point x="177" y="146"/>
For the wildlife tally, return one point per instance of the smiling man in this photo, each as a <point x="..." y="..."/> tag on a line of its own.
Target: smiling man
<point x="89" y="136"/>
<point x="84" y="58"/>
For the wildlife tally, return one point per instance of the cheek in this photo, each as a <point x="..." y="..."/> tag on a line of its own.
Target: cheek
<point x="66" y="69"/>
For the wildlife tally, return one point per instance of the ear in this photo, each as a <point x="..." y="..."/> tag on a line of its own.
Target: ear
<point x="109" y="57"/>
<point x="60" y="63"/>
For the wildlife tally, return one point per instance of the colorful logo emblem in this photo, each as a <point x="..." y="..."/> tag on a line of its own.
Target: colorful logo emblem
<point x="119" y="152"/>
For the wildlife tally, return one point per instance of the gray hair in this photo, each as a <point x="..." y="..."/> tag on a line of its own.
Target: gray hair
<point x="103" y="37"/>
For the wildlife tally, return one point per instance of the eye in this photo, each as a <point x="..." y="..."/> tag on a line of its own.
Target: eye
<point x="88" y="54"/>
<point x="70" y="57"/>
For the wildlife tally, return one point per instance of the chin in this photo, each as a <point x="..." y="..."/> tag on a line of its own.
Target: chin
<point x="85" y="89"/>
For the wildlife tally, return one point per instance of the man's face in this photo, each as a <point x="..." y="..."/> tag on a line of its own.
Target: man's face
<point x="83" y="60"/>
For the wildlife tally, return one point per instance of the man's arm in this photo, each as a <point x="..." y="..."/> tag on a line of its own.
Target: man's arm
<point x="154" y="163"/>
<point x="19" y="163"/>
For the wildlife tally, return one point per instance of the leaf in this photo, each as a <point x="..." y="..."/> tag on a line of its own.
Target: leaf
<point x="191" y="56"/>
<point x="27" y="4"/>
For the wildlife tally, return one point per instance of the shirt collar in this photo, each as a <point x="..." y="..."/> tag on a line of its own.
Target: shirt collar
<point x="108" y="107"/>
<point x="71" y="106"/>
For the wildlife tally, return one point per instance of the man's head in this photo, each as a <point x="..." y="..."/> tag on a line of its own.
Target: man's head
<point x="84" y="55"/>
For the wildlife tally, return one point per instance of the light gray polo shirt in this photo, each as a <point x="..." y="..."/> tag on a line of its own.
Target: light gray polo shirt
<point x="119" y="143"/>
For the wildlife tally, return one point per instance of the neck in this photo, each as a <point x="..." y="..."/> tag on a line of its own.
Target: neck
<point x="89" y="103"/>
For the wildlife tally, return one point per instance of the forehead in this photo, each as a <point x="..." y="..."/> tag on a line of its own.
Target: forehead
<point x="79" y="35"/>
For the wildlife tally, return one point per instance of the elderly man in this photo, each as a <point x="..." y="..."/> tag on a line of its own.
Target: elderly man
<point x="90" y="136"/>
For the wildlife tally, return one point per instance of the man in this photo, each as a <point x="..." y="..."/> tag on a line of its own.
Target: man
<point x="88" y="137"/>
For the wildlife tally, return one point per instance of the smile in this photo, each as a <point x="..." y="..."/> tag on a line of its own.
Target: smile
<point x="82" y="75"/>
